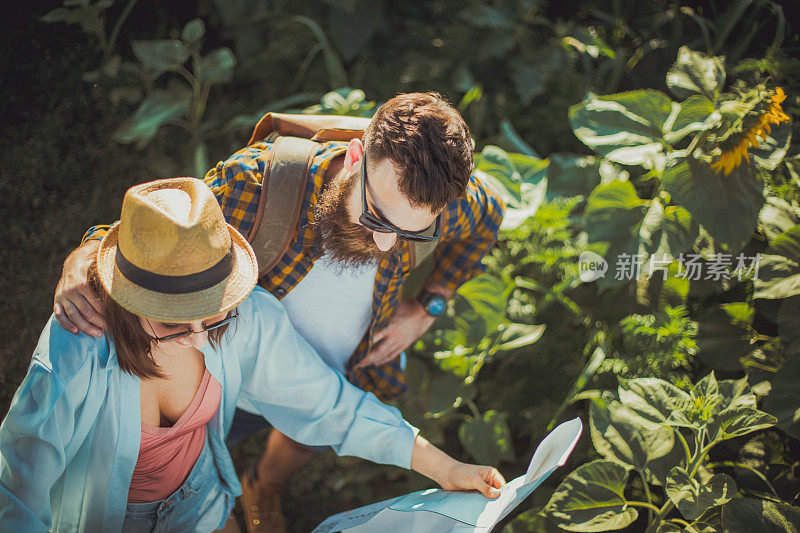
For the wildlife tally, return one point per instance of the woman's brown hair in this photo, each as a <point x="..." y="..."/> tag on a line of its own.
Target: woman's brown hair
<point x="133" y="344"/>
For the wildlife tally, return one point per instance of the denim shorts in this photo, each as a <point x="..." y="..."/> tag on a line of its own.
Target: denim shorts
<point x="201" y="503"/>
<point x="245" y="423"/>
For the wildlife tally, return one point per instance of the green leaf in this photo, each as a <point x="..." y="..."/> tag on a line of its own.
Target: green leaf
<point x="528" y="78"/>
<point x="737" y="421"/>
<point x="57" y="15"/>
<point x="487" y="439"/>
<point x="726" y="206"/>
<point x="487" y="295"/>
<point x="592" y="498"/>
<point x="695" y="73"/>
<point x="783" y="400"/>
<point x="156" y="110"/>
<point x="707" y="387"/>
<point x="572" y="175"/>
<point x="735" y="393"/>
<point x="624" y="127"/>
<point x="351" y="30"/>
<point x="654" y="399"/>
<point x="779" y="267"/>
<point x="770" y="151"/>
<point x="696" y="113"/>
<point x="217" y="66"/>
<point x="621" y="434"/>
<point x="693" y="498"/>
<point x="194" y="30"/>
<point x="162" y="54"/>
<point x="484" y="15"/>
<point x="777" y="216"/>
<point x="518" y="178"/>
<point x="747" y="515"/>
<point x="447" y="391"/>
<point x="613" y="212"/>
<point x="720" y="343"/>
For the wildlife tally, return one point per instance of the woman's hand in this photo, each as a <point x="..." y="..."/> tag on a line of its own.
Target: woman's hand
<point x="485" y="479"/>
<point x="432" y="462"/>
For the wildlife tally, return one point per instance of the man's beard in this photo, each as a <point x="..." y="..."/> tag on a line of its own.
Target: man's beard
<point x="348" y="244"/>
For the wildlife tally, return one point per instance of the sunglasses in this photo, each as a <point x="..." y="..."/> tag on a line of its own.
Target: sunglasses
<point x="209" y="327"/>
<point x="374" y="223"/>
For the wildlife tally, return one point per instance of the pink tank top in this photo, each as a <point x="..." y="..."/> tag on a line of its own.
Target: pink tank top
<point x="167" y="455"/>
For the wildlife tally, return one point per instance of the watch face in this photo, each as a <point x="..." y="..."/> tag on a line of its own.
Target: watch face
<point x="436" y="306"/>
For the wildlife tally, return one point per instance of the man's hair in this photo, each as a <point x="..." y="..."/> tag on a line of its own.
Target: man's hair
<point x="428" y="142"/>
<point x="131" y="341"/>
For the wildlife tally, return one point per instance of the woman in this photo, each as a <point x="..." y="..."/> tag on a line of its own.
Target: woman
<point x="129" y="433"/>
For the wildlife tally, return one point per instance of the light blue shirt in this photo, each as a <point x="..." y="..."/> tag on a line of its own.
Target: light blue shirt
<point x="70" y="441"/>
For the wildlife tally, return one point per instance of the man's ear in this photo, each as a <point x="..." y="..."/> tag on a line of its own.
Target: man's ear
<point x="352" y="158"/>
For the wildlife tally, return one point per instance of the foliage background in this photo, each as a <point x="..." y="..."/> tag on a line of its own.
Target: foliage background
<point x="514" y="68"/>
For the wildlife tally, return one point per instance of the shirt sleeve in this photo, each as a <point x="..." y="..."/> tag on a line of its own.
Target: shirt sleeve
<point x="301" y="396"/>
<point x="95" y="233"/>
<point x="469" y="228"/>
<point x="34" y="438"/>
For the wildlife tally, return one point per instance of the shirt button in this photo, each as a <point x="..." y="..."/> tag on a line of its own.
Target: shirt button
<point x="280" y="291"/>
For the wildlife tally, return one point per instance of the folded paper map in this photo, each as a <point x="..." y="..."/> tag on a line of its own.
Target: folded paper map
<point x="441" y="511"/>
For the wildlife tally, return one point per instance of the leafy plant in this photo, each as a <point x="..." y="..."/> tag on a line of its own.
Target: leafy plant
<point x="664" y="435"/>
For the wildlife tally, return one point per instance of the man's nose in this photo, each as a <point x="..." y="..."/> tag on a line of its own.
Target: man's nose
<point x="384" y="241"/>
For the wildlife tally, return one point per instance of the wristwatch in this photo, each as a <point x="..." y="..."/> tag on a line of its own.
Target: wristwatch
<point x="434" y="304"/>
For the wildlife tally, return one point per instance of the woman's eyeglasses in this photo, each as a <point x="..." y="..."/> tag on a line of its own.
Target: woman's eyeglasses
<point x="372" y="222"/>
<point x="208" y="327"/>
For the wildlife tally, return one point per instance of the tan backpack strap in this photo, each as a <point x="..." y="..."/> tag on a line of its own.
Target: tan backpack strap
<point x="318" y="128"/>
<point x="282" y="192"/>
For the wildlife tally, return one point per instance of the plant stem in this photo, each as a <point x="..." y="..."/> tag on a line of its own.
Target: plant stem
<point x="118" y="27"/>
<point x="685" y="446"/>
<point x="647" y="494"/>
<point x="743" y="466"/>
<point x="649" y="506"/>
<point x="680" y="522"/>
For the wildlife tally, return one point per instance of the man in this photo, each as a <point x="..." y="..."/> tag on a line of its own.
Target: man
<point x="340" y="279"/>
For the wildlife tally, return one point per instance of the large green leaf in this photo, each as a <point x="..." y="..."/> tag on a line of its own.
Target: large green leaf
<point x="592" y="498"/>
<point x="217" y="66"/>
<point x="777" y="216"/>
<point x="447" y="392"/>
<point x="693" y="498"/>
<point x="770" y="151"/>
<point x="624" y="127"/>
<point x="161" y="55"/>
<point x="738" y="421"/>
<point x="519" y="178"/>
<point x="614" y="212"/>
<point x="157" y="109"/>
<point x="726" y="206"/>
<point x="695" y="73"/>
<point x="572" y="175"/>
<point x="783" y="400"/>
<point x="735" y="393"/>
<point x="720" y="342"/>
<point x="696" y="113"/>
<point x="528" y="78"/>
<point x="621" y="434"/>
<point x="779" y="267"/>
<point x="487" y="439"/>
<point x="487" y="296"/>
<point x="654" y="399"/>
<point x="748" y="515"/>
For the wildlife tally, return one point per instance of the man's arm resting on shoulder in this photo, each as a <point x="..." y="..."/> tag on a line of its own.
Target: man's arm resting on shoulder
<point x="75" y="306"/>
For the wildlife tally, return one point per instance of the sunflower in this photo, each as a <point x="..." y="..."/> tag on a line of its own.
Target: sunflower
<point x="732" y="157"/>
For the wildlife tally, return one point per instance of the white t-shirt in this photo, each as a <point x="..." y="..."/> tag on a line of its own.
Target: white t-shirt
<point x="332" y="307"/>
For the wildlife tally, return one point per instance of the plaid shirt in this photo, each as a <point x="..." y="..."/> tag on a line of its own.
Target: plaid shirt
<point x="469" y="227"/>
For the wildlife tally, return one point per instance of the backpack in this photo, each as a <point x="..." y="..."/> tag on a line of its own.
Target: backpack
<point x="296" y="139"/>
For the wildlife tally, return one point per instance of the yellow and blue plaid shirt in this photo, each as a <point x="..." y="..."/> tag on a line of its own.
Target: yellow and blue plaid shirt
<point x="469" y="227"/>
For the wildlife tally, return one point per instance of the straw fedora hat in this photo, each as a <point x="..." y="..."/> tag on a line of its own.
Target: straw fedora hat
<point x="172" y="257"/>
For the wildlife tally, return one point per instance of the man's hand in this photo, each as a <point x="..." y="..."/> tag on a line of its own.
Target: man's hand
<point x="407" y="324"/>
<point x="76" y="307"/>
